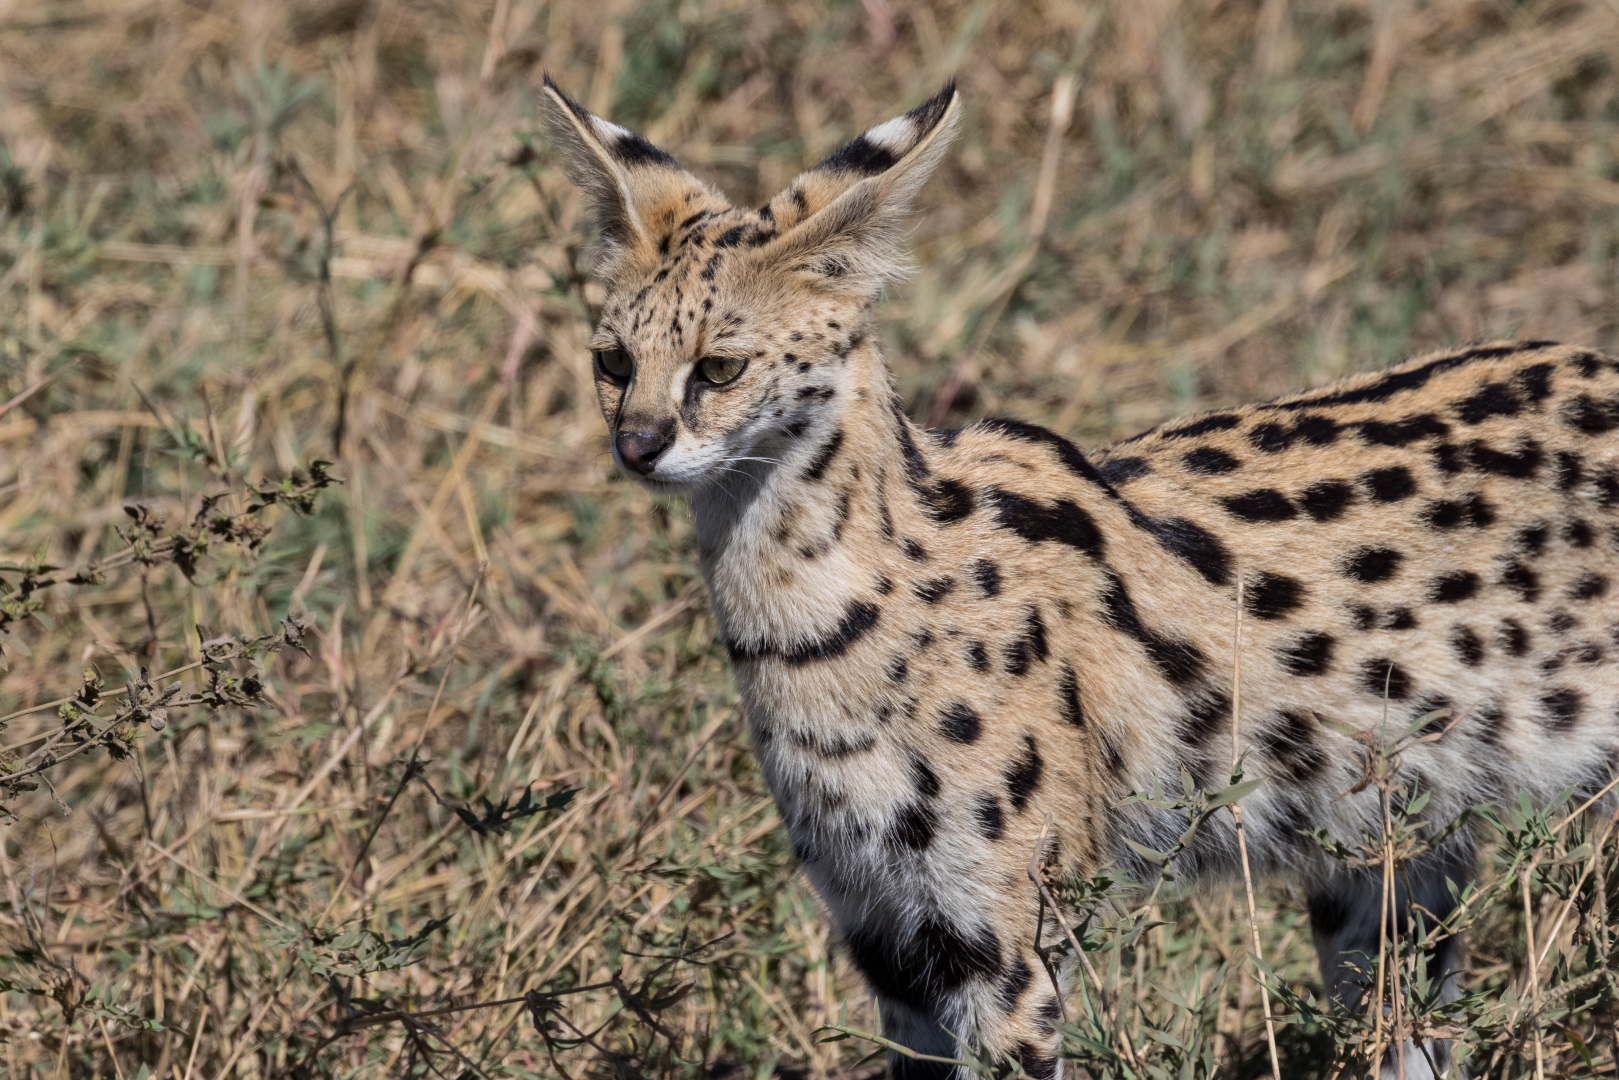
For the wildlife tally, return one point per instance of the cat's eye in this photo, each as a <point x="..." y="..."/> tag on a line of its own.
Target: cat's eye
<point x="615" y="364"/>
<point x="720" y="370"/>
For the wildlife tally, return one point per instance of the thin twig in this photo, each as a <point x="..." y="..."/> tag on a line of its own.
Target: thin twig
<point x="1534" y="969"/>
<point x="1038" y="878"/>
<point x="1242" y="840"/>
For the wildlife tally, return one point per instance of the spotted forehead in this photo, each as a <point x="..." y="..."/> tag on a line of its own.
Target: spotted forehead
<point x="682" y="286"/>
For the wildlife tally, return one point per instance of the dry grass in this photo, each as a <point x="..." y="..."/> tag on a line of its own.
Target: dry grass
<point x="238" y="237"/>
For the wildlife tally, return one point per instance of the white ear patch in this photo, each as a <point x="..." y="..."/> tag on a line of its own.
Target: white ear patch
<point x="896" y="135"/>
<point x="609" y="132"/>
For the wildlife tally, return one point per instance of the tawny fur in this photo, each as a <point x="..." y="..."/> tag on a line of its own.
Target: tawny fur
<point x="943" y="637"/>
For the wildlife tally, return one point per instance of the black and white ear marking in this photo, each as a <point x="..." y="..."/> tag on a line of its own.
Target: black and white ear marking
<point x="880" y="148"/>
<point x="841" y="222"/>
<point x="632" y="184"/>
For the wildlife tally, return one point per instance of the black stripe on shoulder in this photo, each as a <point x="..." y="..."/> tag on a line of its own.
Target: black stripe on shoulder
<point x="859" y="618"/>
<point x="1070" y="455"/>
<point x="1180" y="661"/>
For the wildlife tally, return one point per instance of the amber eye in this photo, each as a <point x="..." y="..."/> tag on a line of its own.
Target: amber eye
<point x="615" y="364"/>
<point x="720" y="370"/>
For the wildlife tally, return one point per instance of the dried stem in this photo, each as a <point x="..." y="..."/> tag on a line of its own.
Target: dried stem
<point x="1242" y="841"/>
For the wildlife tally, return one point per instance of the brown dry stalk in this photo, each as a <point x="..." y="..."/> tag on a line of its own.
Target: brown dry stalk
<point x="1242" y="841"/>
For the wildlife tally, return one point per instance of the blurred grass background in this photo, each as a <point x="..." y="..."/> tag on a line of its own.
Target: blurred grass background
<point x="235" y="237"/>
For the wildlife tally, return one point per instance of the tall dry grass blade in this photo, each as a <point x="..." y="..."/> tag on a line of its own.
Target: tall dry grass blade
<point x="1242" y="840"/>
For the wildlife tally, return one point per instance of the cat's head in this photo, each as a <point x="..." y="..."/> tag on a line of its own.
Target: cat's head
<point x="727" y="334"/>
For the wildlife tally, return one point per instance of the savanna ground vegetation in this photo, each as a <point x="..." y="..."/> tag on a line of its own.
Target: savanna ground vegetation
<point x="358" y="719"/>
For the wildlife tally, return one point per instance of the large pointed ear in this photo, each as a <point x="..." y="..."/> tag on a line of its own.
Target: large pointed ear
<point x="637" y="192"/>
<point x="843" y="221"/>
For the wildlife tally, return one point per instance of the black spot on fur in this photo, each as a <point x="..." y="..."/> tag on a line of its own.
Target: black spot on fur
<point x="922" y="638"/>
<point x="1125" y="469"/>
<point x="914" y="826"/>
<point x="1210" y="461"/>
<point x="1068" y="701"/>
<point x="1204" y="720"/>
<point x="1514" y="638"/>
<point x="913" y="551"/>
<point x="1261" y="505"/>
<point x="1290" y="741"/>
<point x="987" y="812"/>
<point x="1474" y="510"/>
<point x="823" y="457"/>
<point x="1589" y="416"/>
<point x="1373" y="564"/>
<point x="1316" y="429"/>
<point x="1365" y="618"/>
<point x="1063" y="522"/>
<point x="925" y="779"/>
<point x="946" y="500"/>
<point x="1271" y="596"/>
<point x="1570" y="468"/>
<point x="1399" y="618"/>
<point x="1402" y="432"/>
<point x="1385" y="676"/>
<point x="1489" y="399"/>
<point x="1579" y="533"/>
<point x="1309" y="655"/>
<point x="1468" y="645"/>
<point x="1023" y="775"/>
<point x="1561" y="709"/>
<point x="1210" y="423"/>
<point x="1607" y="483"/>
<point x="1180" y="661"/>
<point x="1521" y="580"/>
<point x="1029" y="646"/>
<point x="1270" y="438"/>
<point x="917" y="971"/>
<point x="1519" y="465"/>
<point x="1327" y="500"/>
<point x="732" y="237"/>
<point x="897" y="669"/>
<point x="1013" y="982"/>
<point x="933" y="590"/>
<point x="1447" y="458"/>
<point x="711" y="267"/>
<point x="1454" y="587"/>
<point x="1492" y="724"/>
<point x="988" y="576"/>
<point x="958" y="722"/>
<point x="885" y="585"/>
<point x="1534" y="382"/>
<point x="1531" y="539"/>
<point x="1588" y="586"/>
<point x="1191" y="543"/>
<point x="858" y="619"/>
<point x="977" y="656"/>
<point x="1389" y="485"/>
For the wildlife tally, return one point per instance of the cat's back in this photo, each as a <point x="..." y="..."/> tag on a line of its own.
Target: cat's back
<point x="1441" y="533"/>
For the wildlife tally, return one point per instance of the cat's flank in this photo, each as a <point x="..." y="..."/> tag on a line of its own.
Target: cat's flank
<point x="941" y="637"/>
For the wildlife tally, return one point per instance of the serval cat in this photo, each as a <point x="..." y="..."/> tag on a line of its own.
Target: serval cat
<point x="941" y="637"/>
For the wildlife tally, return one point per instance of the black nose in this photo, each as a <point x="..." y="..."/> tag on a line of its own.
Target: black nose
<point x="639" y="449"/>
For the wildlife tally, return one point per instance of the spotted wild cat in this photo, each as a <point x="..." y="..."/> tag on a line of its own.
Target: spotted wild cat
<point x="943" y="636"/>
